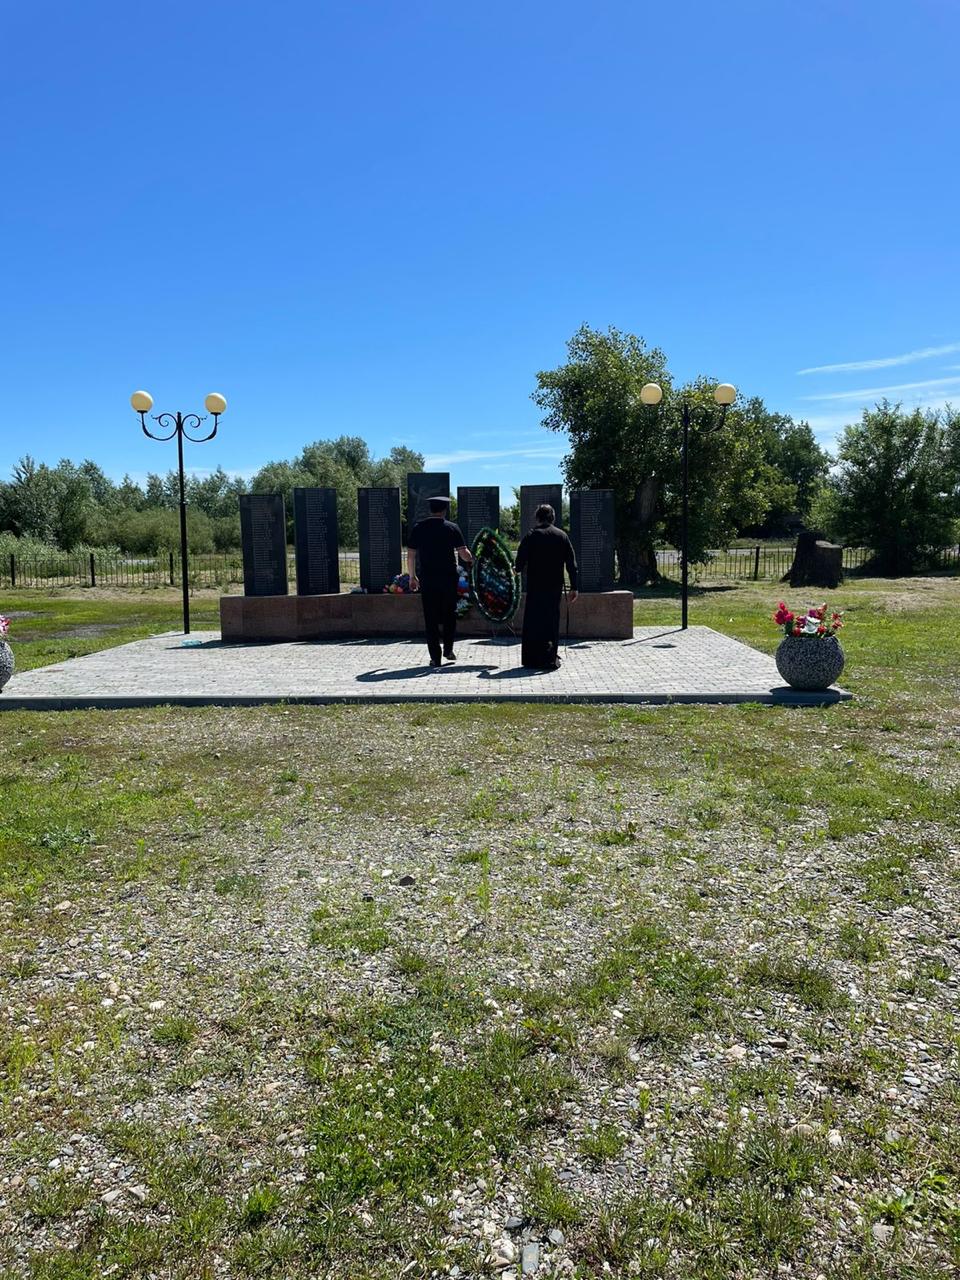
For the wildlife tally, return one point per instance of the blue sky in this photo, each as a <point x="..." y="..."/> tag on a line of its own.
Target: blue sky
<point x="383" y="218"/>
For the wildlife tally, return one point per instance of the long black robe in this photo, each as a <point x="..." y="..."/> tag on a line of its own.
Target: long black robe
<point x="544" y="553"/>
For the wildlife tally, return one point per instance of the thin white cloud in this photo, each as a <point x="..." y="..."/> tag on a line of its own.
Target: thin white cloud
<point x="884" y="362"/>
<point x="826" y="425"/>
<point x="872" y="393"/>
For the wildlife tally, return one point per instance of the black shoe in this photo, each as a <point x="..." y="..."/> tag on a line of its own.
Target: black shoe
<point x="449" y="655"/>
<point x="435" y="662"/>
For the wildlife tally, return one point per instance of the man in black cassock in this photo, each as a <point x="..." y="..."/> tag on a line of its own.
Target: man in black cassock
<point x="544" y="553"/>
<point x="438" y="542"/>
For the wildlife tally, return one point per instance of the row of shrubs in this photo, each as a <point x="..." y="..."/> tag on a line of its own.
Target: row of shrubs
<point x="136" y="533"/>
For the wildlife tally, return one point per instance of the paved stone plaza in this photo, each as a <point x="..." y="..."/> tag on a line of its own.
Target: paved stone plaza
<point x="659" y="665"/>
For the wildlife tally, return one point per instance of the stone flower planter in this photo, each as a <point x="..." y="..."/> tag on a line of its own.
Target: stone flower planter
<point x="7" y="663"/>
<point x="809" y="662"/>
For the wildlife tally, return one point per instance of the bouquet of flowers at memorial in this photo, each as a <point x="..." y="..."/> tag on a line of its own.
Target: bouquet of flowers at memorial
<point x="816" y="622"/>
<point x="7" y="663"/>
<point x="464" y="594"/>
<point x="399" y="585"/>
<point x="496" y="587"/>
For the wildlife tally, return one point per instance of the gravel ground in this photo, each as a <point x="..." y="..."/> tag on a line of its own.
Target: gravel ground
<point x="364" y="992"/>
<point x="753" y="1023"/>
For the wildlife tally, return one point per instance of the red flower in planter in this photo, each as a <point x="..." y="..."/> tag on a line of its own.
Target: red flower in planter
<point x="782" y="615"/>
<point x="814" y="622"/>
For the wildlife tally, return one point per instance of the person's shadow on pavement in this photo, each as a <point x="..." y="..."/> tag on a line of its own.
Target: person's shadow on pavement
<point x="515" y="673"/>
<point x="415" y="673"/>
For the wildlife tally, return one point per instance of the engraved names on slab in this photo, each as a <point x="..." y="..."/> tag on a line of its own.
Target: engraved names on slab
<point x="263" y="536"/>
<point x="316" y="541"/>
<point x="421" y="486"/>
<point x="533" y="496"/>
<point x="378" y="511"/>
<point x="592" y="535"/>
<point x="478" y="507"/>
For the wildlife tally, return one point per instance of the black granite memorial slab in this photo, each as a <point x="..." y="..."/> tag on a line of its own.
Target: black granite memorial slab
<point x="316" y="541"/>
<point x="592" y="535"/>
<point x="378" y="519"/>
<point x="478" y="507"/>
<point x="421" y="486"/>
<point x="532" y="496"/>
<point x="263" y="536"/>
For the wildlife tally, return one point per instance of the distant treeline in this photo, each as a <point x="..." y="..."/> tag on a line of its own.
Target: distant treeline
<point x="894" y="487"/>
<point x="75" y="505"/>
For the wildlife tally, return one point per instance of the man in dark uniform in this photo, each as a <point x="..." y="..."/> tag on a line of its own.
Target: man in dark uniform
<point x="544" y="553"/>
<point x="438" y="542"/>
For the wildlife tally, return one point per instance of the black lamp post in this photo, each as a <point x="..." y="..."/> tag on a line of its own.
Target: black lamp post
<point x="724" y="394"/>
<point x="180" y="425"/>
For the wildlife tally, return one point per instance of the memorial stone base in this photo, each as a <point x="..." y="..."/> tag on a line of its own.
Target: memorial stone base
<point x="606" y="615"/>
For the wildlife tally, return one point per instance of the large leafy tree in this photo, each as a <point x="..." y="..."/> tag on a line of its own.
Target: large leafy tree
<point x="801" y="465"/>
<point x="216" y="493"/>
<point x="618" y="443"/>
<point x="48" y="503"/>
<point x="896" y="487"/>
<point x="392" y="470"/>
<point x="343" y="464"/>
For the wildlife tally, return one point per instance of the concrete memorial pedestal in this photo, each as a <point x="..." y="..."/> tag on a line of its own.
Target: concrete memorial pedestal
<point x="606" y="615"/>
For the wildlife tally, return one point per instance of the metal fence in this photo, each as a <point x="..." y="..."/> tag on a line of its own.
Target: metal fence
<point x="771" y="563"/>
<point x="222" y="570"/>
<point x="225" y="570"/>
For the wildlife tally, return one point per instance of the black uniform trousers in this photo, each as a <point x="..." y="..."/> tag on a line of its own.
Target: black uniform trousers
<point x="439" y="616"/>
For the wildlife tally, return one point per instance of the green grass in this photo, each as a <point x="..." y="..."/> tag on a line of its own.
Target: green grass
<point x="359" y="924"/>
<point x="863" y="942"/>
<point x="604" y="1143"/>
<point x="80" y="790"/>
<point x="808" y="983"/>
<point x="57" y="1196"/>
<point x="667" y="989"/>
<point x="546" y="1202"/>
<point x="414" y="1123"/>
<point x="70" y="623"/>
<point x="176" y="1030"/>
<point x="887" y="879"/>
<point x="259" y="1205"/>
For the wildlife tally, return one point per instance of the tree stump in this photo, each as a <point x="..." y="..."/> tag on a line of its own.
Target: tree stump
<point x="815" y="563"/>
<point x="636" y="554"/>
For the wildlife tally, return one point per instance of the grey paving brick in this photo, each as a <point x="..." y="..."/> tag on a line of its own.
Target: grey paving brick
<point x="660" y="664"/>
